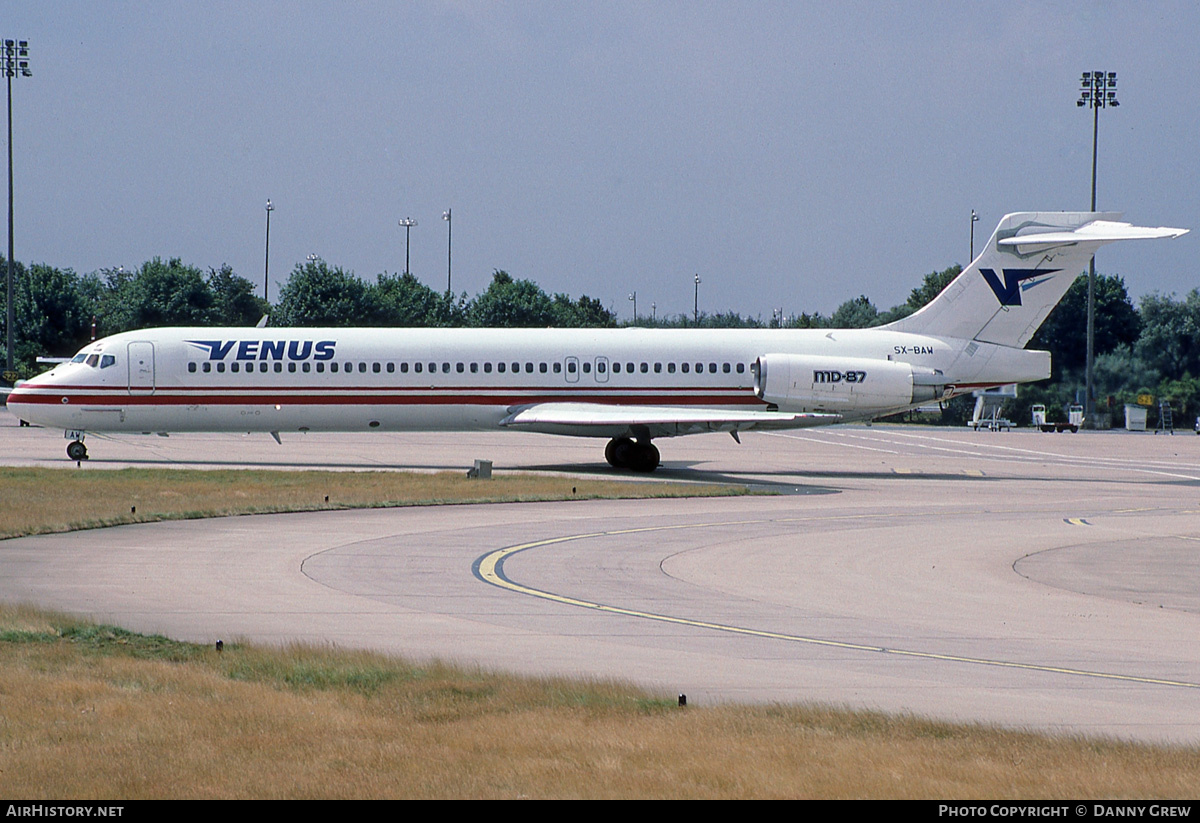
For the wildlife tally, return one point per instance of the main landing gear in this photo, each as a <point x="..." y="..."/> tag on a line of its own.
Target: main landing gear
<point x="623" y="453"/>
<point x="76" y="450"/>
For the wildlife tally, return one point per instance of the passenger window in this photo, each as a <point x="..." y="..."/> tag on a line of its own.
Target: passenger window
<point x="529" y="368"/>
<point x="192" y="367"/>
<point x="542" y="368"/>
<point x="629" y="368"/>
<point x="375" y="368"/>
<point x="391" y="368"/>
<point x="262" y="367"/>
<point x="741" y="368"/>
<point x="221" y="368"/>
<point x="206" y="367"/>
<point x="500" y="367"/>
<point x="516" y="367"/>
<point x="685" y="367"/>
<point x="558" y="368"/>
<point x="600" y="366"/>
<point x="305" y="366"/>
<point x="658" y="368"/>
<point x="670" y="368"/>
<point x="459" y="368"/>
<point x="725" y="368"/>
<point x="571" y="367"/>
<point x="445" y="368"/>
<point x="645" y="368"/>
<point x="416" y="368"/>
<point x="362" y="368"/>
<point x="320" y="368"/>
<point x="712" y="368"/>
<point x="292" y="368"/>
<point x="333" y="367"/>
<point x="278" y="368"/>
<point x="487" y="368"/>
<point x="587" y="367"/>
<point x="699" y="368"/>
<point x="616" y="367"/>
<point x="235" y="367"/>
<point x="474" y="368"/>
<point x="432" y="368"/>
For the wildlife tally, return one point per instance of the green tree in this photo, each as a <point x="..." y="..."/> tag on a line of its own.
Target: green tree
<point x="586" y="312"/>
<point x="858" y="313"/>
<point x="933" y="285"/>
<point x="512" y="303"/>
<point x="53" y="316"/>
<point x="317" y="295"/>
<point x="1064" y="334"/>
<point x="1170" y="338"/>
<point x="403" y="301"/>
<point x="234" y="300"/>
<point x="157" y="294"/>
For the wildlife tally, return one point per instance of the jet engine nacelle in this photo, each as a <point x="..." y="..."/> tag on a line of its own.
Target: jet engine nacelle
<point x="805" y="382"/>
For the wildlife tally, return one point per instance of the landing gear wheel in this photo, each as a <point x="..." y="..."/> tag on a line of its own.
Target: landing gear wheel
<point x="623" y="453"/>
<point x="645" y="458"/>
<point x="617" y="447"/>
<point x="76" y="450"/>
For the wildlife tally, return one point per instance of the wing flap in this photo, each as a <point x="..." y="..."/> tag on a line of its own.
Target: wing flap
<point x="601" y="420"/>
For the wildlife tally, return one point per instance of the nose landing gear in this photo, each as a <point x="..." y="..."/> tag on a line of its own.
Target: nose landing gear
<point x="76" y="450"/>
<point x="623" y="453"/>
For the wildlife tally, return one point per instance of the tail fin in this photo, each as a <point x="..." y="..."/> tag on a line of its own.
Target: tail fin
<point x="1024" y="270"/>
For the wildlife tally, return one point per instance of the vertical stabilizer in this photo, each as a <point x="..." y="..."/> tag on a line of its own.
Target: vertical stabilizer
<point x="1020" y="276"/>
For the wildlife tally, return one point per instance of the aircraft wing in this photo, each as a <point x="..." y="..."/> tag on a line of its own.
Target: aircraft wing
<point x="601" y="420"/>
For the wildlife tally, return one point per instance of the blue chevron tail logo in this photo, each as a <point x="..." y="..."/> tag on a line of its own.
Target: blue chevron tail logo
<point x="1009" y="292"/>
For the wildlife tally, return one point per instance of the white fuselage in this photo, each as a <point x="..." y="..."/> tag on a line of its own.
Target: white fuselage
<point x="263" y="379"/>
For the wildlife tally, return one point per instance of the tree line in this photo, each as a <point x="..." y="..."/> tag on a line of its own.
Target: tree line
<point x="1151" y="348"/>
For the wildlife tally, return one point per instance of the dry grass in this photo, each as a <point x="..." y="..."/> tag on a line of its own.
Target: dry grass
<point x="94" y="712"/>
<point x="35" y="501"/>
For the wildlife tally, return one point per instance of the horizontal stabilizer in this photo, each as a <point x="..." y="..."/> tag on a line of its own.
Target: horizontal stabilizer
<point x="1102" y="231"/>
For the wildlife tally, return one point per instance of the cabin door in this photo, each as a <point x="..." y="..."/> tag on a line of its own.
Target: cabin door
<point x="141" y="368"/>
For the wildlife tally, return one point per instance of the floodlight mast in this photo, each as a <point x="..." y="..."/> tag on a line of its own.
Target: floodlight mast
<point x="267" y="254"/>
<point x="14" y="62"/>
<point x="1097" y="90"/>
<point x="407" y="223"/>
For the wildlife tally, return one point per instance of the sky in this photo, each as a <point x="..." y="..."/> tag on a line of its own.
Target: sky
<point x="794" y="155"/>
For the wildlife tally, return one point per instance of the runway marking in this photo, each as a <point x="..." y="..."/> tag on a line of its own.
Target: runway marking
<point x="1076" y="521"/>
<point x="490" y="569"/>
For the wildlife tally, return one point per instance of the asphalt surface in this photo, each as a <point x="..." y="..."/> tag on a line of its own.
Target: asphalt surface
<point x="1048" y="581"/>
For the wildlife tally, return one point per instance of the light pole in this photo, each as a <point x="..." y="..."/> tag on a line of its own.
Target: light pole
<point x="407" y="223"/>
<point x="267" y="255"/>
<point x="449" y="246"/>
<point x="15" y="64"/>
<point x="1098" y="90"/>
<point x="633" y="297"/>
<point x="974" y="220"/>
<point x="654" y="313"/>
<point x="696" y="305"/>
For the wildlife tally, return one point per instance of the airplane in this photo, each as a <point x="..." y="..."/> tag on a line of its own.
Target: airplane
<point x="629" y="385"/>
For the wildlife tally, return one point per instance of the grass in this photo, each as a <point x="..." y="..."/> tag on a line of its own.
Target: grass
<point x="90" y="712"/>
<point x="36" y="501"/>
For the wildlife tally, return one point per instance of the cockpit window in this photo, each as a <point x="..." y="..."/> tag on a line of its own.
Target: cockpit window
<point x="92" y="360"/>
<point x="79" y="358"/>
<point x="107" y="360"/>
